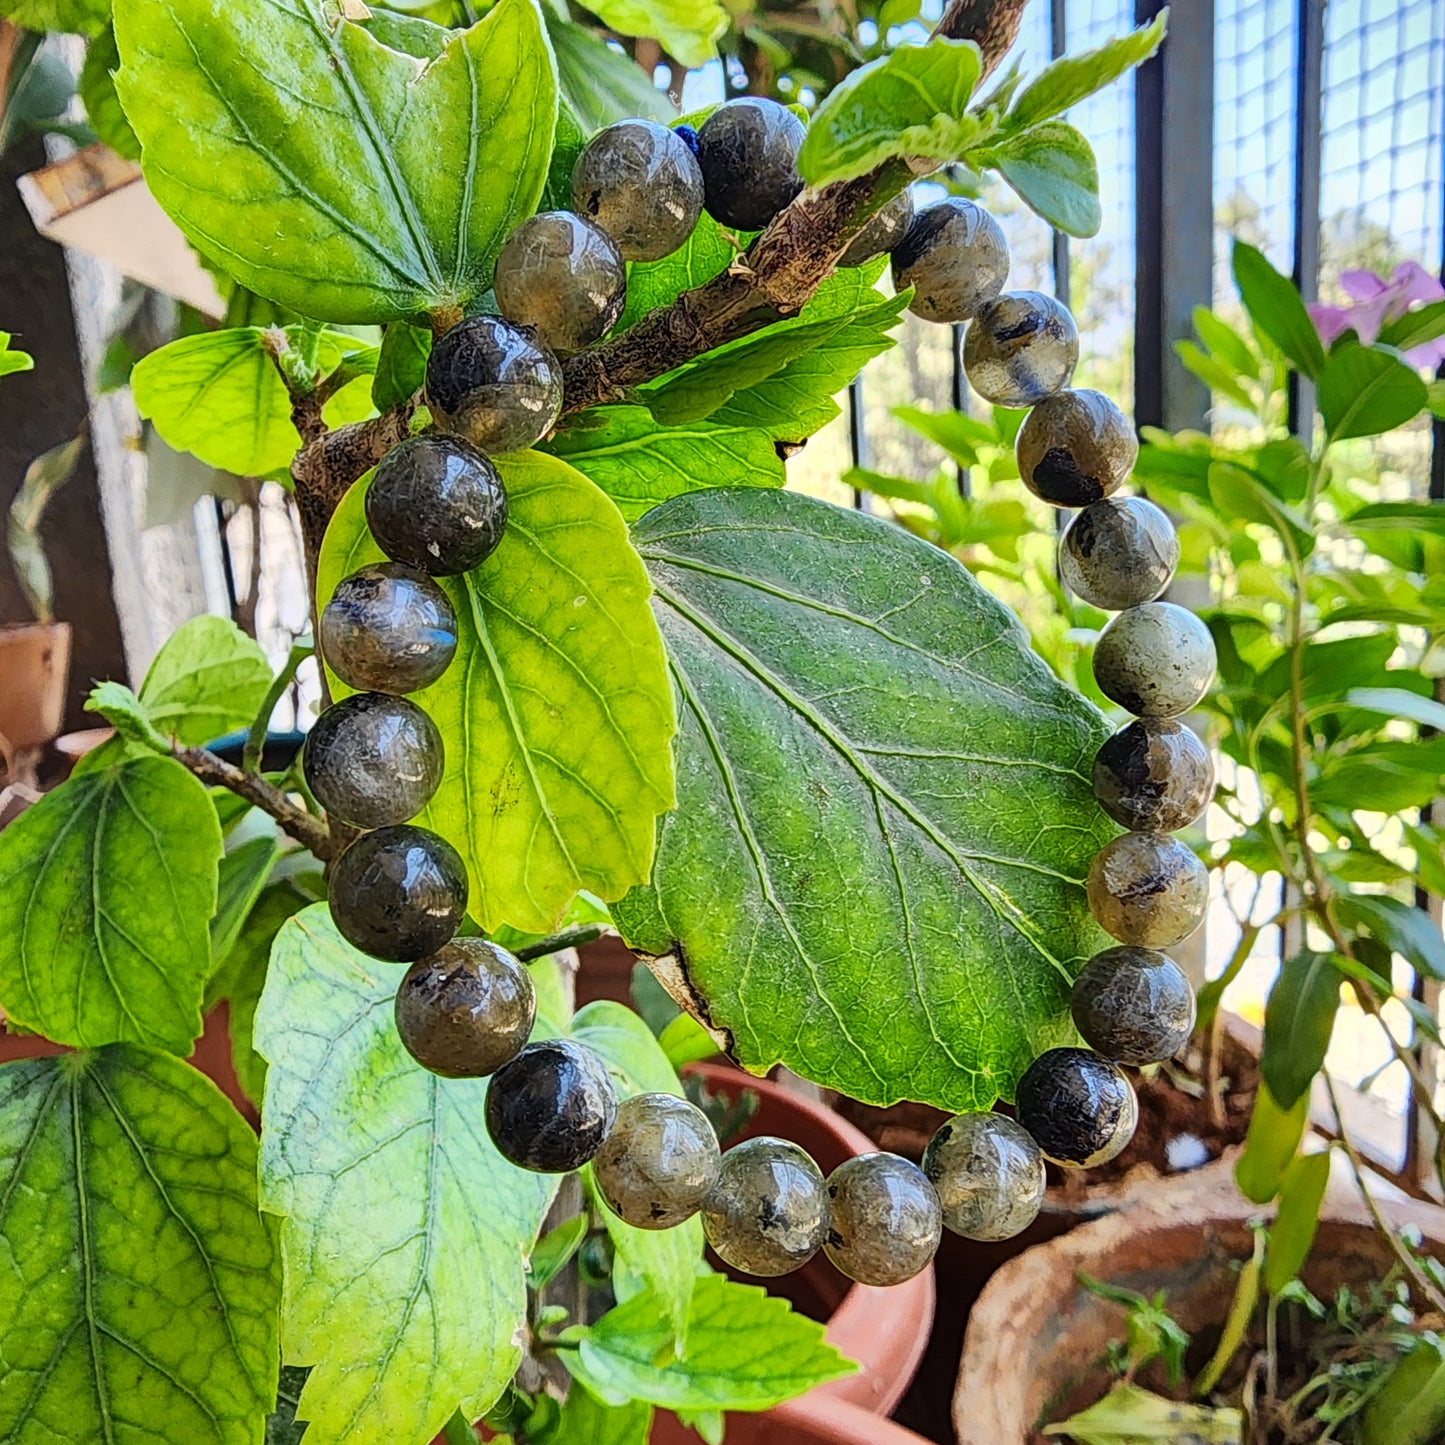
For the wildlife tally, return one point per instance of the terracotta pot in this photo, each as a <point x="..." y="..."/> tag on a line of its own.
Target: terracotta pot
<point x="1035" y="1338"/>
<point x="35" y="663"/>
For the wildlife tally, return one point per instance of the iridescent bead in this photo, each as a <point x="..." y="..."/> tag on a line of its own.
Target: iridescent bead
<point x="1148" y="889"/>
<point x="989" y="1175"/>
<point x="748" y="154"/>
<point x="1154" y="776"/>
<point x="388" y="628"/>
<point x="882" y="232"/>
<point x="883" y="1219"/>
<point x="955" y="258"/>
<point x="641" y="183"/>
<point x="552" y="1107"/>
<point x="1020" y="348"/>
<point x="658" y="1163"/>
<point x="1119" y="552"/>
<point x="1155" y="660"/>
<point x="1080" y="1108"/>
<point x="767" y="1214"/>
<point x="1075" y="447"/>
<point x="1133" y="1005"/>
<point x="561" y="276"/>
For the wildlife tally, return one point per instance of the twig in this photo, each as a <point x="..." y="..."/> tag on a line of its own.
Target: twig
<point x="568" y="938"/>
<point x="311" y="832"/>
<point x="256" y="738"/>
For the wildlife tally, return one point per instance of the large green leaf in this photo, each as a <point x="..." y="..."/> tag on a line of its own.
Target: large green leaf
<point x="1052" y="167"/>
<point x="556" y="711"/>
<point x="601" y="84"/>
<point x="362" y="184"/>
<point x="687" y="30"/>
<point x="406" y="1234"/>
<point x="911" y="102"/>
<point x="208" y="679"/>
<point x="106" y="885"/>
<point x="1275" y="307"/>
<point x="874" y="872"/>
<point x="639" y="463"/>
<point x="1364" y="391"/>
<point x="746" y="1350"/>
<point x="1298" y="1023"/>
<point x="140" y="1287"/>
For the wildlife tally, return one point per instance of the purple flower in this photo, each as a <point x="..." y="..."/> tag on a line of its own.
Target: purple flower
<point x="1375" y="301"/>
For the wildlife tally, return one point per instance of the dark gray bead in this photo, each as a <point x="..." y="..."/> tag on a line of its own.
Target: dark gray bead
<point x="436" y="503"/>
<point x="1119" y="552"/>
<point x="1020" y="348"/>
<point x="1154" y="776"/>
<point x="552" y="1107"/>
<point x="883" y="1219"/>
<point x="373" y="759"/>
<point x="1080" y="1108"/>
<point x="882" y="233"/>
<point x="1148" y="889"/>
<point x="955" y="258"/>
<point x="561" y="276"/>
<point x="747" y="150"/>
<point x="1155" y="660"/>
<point x="388" y="628"/>
<point x="768" y="1211"/>
<point x="658" y="1163"/>
<point x="494" y="384"/>
<point x="1133" y="1005"/>
<point x="466" y="1010"/>
<point x="1075" y="447"/>
<point x="641" y="183"/>
<point x="399" y="893"/>
<point x="989" y="1175"/>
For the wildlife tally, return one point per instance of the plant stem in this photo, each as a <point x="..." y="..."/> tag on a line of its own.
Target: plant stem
<point x="311" y="832"/>
<point x="568" y="938"/>
<point x="256" y="738"/>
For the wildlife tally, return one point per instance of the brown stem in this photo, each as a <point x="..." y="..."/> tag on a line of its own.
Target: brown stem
<point x="311" y="832"/>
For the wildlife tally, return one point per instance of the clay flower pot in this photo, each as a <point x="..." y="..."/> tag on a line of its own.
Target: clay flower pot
<point x="35" y="663"/>
<point x="1035" y="1338"/>
<point x="884" y="1330"/>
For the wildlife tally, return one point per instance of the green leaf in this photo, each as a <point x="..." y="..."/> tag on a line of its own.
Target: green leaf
<point x="685" y="1041"/>
<point x="587" y="1421"/>
<point x="242" y="875"/>
<point x="1405" y="930"/>
<point x="639" y="463"/>
<point x="553" y="1251"/>
<point x="1397" y="702"/>
<point x="142" y="1284"/>
<point x="1414" y="328"/>
<point x="1130" y="1415"/>
<point x="365" y="185"/>
<point x="105" y="888"/>
<point x="43" y="478"/>
<point x="1298" y="1022"/>
<point x="122" y="709"/>
<point x="208" y="679"/>
<point x="406" y="1312"/>
<point x="1076" y="77"/>
<point x="874" y="872"/>
<point x="1239" y="495"/>
<point x="959" y="434"/>
<point x="556" y="710"/>
<point x="665" y="1260"/>
<point x="401" y="367"/>
<point x="78" y="17"/>
<point x="1052" y="167"/>
<point x="600" y="84"/>
<point x="1213" y="373"/>
<point x="1409" y="1408"/>
<point x="1385" y="777"/>
<point x="1272" y="1142"/>
<point x="12" y="361"/>
<point x="688" y="30"/>
<point x="1364" y="391"/>
<point x="651" y="284"/>
<point x="1226" y="344"/>
<point x="1276" y="309"/>
<point x="746" y="1350"/>
<point x="911" y="102"/>
<point x="97" y="94"/>
<point x="570" y="142"/>
<point x="1302" y="1191"/>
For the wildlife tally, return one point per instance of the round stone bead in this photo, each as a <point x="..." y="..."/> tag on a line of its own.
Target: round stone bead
<point x="883" y="1219"/>
<point x="561" y="275"/>
<point x="466" y="1010"/>
<point x="882" y="232"/>
<point x="1119" y="552"/>
<point x="399" y="893"/>
<point x="1080" y="1108"/>
<point x="552" y="1107"/>
<point x="1148" y="889"/>
<point x="658" y="1163"/>
<point x="388" y="628"/>
<point x="955" y="258"/>
<point x="1155" y="660"/>
<point x="1020" y="348"/>
<point x="494" y="384"/>
<point x="1075" y="447"/>
<point x="1154" y="776"/>
<point x="373" y="759"/>
<point x="747" y="150"/>
<point x="641" y="183"/>
<point x="767" y="1213"/>
<point x="438" y="504"/>
<point x="1133" y="1005"/>
<point x="989" y="1175"/>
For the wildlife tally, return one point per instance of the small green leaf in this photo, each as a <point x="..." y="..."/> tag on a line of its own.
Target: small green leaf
<point x="1076" y="77"/>
<point x="97" y="93"/>
<point x="957" y="433"/>
<point x="1239" y="495"/>
<point x="141" y="1283"/>
<point x="1272" y="1142"/>
<point x="1385" y="776"/>
<point x="408" y="1312"/>
<point x="585" y="1420"/>
<point x="639" y="463"/>
<point x="244" y="869"/>
<point x="1414" y="328"/>
<point x="366" y="185"/>
<point x="688" y="30"/>
<point x="1364" y="391"/>
<point x="1225" y="343"/>
<point x="122" y="709"/>
<point x="1409" y="1408"/>
<point x="1130" y="1415"/>
<point x="1213" y="373"/>
<point x="1052" y="167"/>
<point x="1405" y="930"/>
<point x="401" y="367"/>
<point x="1301" y="1193"/>
<point x="1236" y="1322"/>
<point x="570" y="142"/>
<point x="1276" y="309"/>
<point x="553" y="1251"/>
<point x="911" y="102"/>
<point x="12" y="361"/>
<point x="600" y="84"/>
<point x="711" y="1425"/>
<point x="208" y="679"/>
<point x="746" y="1350"/>
<point x="1396" y="702"/>
<point x="685" y="1041"/>
<point x="557" y="708"/>
<point x="105" y="888"/>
